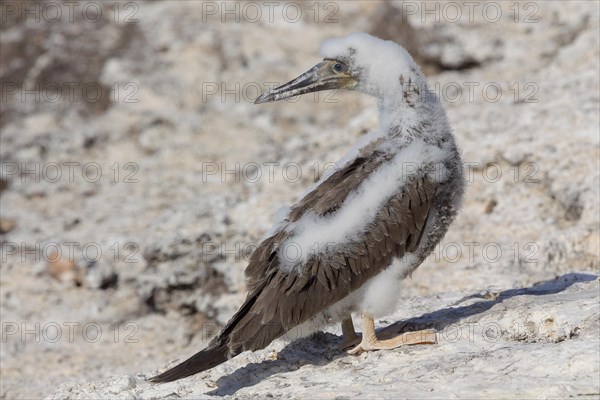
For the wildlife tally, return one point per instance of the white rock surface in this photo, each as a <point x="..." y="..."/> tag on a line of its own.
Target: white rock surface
<point x="522" y="343"/>
<point x="161" y="285"/>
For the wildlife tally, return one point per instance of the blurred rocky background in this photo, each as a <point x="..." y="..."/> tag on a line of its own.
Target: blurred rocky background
<point x="137" y="174"/>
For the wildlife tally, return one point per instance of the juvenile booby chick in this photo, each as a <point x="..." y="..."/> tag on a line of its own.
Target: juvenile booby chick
<point x="347" y="244"/>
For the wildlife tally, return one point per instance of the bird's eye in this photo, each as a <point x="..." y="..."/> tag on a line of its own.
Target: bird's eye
<point x="337" y="67"/>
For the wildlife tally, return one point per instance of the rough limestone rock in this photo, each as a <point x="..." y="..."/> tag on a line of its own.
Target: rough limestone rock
<point x="528" y="340"/>
<point x="119" y="273"/>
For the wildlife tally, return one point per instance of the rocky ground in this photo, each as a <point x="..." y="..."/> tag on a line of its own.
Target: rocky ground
<point x="137" y="173"/>
<point x="524" y="343"/>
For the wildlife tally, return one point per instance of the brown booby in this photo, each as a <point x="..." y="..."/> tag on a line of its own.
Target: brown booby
<point x="364" y="226"/>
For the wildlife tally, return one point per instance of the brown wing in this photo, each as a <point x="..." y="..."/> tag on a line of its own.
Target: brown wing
<point x="331" y="193"/>
<point x="324" y="199"/>
<point x="279" y="300"/>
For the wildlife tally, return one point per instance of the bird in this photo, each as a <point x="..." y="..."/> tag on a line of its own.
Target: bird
<point x="346" y="245"/>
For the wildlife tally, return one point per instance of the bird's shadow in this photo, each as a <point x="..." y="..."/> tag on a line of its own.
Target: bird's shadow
<point x="322" y="348"/>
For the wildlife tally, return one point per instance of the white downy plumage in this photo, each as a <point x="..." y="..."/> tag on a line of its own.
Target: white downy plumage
<point x="412" y="153"/>
<point x="380" y="64"/>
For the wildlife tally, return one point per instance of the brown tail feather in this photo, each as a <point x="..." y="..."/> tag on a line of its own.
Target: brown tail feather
<point x="208" y="358"/>
<point x="218" y="351"/>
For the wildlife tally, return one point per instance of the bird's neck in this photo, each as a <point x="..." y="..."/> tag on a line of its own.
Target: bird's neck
<point x="395" y="115"/>
<point x="404" y="117"/>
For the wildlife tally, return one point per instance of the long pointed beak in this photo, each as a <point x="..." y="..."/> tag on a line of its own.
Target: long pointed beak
<point x="319" y="77"/>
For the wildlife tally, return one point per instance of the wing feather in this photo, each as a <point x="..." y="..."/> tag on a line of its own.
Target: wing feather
<point x="290" y="298"/>
<point x="280" y="299"/>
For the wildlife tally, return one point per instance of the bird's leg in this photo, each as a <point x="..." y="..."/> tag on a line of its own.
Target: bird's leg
<point x="370" y="342"/>
<point x="351" y="339"/>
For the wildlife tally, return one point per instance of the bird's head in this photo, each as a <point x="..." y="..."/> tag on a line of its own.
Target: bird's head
<point x="359" y="62"/>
